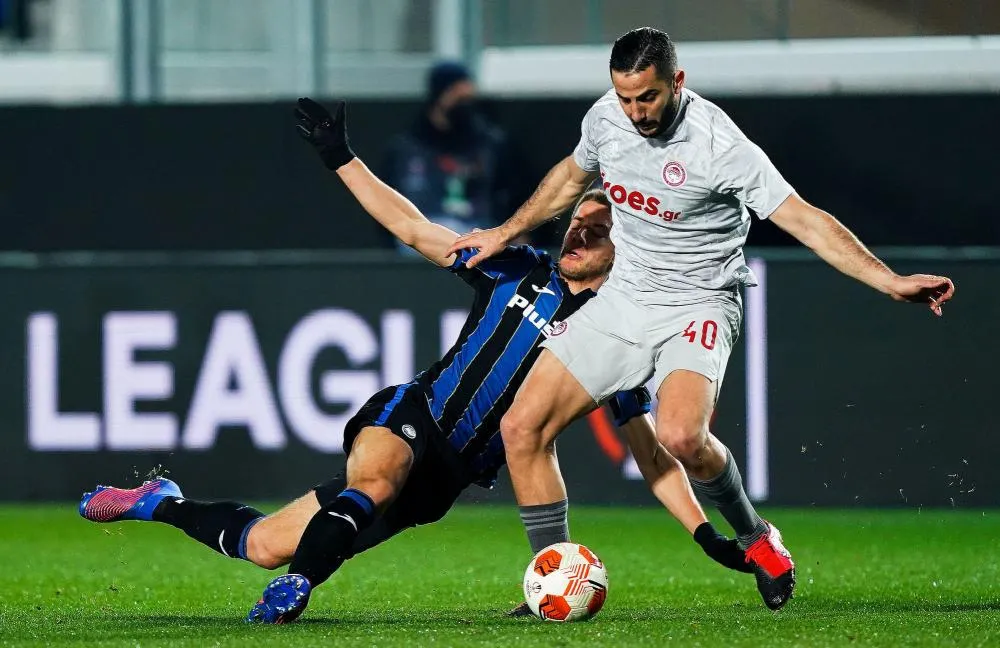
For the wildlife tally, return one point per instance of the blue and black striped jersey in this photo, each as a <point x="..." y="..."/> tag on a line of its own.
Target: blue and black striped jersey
<point x="519" y="300"/>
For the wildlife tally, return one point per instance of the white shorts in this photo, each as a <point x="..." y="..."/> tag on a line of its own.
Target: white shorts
<point x="613" y="343"/>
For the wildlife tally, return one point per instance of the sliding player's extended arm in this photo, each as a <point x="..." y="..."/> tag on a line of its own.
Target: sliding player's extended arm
<point x="328" y="134"/>
<point x="397" y="214"/>
<point x="667" y="480"/>
<point x="663" y="473"/>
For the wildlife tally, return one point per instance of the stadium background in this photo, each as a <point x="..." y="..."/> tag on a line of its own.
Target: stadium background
<point x="184" y="287"/>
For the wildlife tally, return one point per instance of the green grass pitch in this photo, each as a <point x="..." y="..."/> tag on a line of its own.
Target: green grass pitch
<point x="866" y="578"/>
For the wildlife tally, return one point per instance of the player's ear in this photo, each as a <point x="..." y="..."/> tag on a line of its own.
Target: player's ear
<point x="678" y="81"/>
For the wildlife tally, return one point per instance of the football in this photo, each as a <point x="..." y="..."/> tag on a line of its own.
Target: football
<point x="565" y="582"/>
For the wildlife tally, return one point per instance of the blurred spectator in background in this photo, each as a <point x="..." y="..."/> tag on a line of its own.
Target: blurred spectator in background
<point x="15" y="21"/>
<point x="453" y="164"/>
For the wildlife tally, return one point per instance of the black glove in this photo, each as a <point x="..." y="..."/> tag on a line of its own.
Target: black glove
<point x="327" y="134"/>
<point x="721" y="549"/>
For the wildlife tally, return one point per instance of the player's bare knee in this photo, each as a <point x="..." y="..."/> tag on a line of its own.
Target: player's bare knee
<point x="519" y="438"/>
<point x="682" y="441"/>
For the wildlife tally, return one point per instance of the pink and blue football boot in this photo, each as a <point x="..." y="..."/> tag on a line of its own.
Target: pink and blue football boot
<point x="110" y="504"/>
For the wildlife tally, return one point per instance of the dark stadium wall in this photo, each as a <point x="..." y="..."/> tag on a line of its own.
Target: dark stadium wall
<point x="899" y="170"/>
<point x="237" y="375"/>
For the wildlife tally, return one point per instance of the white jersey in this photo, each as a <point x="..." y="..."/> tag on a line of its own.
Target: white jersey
<point x="679" y="201"/>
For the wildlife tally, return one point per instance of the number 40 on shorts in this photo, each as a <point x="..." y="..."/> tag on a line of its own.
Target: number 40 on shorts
<point x="709" y="331"/>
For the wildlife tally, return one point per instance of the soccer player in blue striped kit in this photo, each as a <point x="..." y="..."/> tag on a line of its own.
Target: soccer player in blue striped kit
<point x="413" y="448"/>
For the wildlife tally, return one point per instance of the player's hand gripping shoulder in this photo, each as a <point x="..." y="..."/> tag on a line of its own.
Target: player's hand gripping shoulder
<point x="328" y="135"/>
<point x="488" y="242"/>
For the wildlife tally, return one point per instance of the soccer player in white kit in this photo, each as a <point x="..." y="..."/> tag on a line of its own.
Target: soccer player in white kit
<point x="682" y="178"/>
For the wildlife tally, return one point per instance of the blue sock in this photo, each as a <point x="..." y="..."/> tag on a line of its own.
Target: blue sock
<point x="241" y="552"/>
<point x="365" y="505"/>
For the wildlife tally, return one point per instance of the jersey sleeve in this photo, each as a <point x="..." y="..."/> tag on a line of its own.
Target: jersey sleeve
<point x="585" y="153"/>
<point x="514" y="261"/>
<point x="745" y="171"/>
<point x="627" y="405"/>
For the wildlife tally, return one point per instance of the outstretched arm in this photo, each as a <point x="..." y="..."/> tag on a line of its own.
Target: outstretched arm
<point x="667" y="480"/>
<point x="560" y="187"/>
<point x="663" y="473"/>
<point x="557" y="191"/>
<point x="397" y="214"/>
<point x="328" y="135"/>
<point x="836" y="245"/>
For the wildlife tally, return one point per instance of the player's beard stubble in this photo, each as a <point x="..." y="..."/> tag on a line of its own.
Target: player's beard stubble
<point x="667" y="117"/>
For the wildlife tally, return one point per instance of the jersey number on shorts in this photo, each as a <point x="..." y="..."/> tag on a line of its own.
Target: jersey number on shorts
<point x="709" y="331"/>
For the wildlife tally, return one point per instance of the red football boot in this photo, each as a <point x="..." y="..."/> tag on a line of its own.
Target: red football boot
<point x="773" y="567"/>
